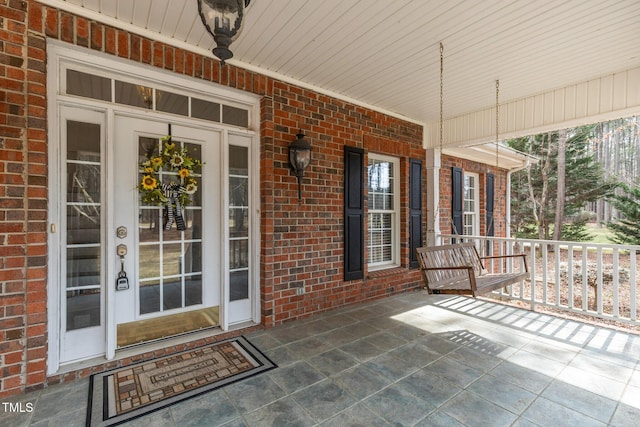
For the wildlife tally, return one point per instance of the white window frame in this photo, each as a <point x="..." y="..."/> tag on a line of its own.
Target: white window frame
<point x="471" y="218"/>
<point x="395" y="215"/>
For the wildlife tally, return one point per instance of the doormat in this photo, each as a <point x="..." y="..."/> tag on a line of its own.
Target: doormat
<point x="126" y="393"/>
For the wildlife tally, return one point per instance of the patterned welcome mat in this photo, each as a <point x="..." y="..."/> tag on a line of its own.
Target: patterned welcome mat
<point x="123" y="394"/>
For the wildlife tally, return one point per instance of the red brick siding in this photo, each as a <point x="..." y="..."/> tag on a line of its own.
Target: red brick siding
<point x="23" y="203"/>
<point x="301" y="244"/>
<point x="500" y="194"/>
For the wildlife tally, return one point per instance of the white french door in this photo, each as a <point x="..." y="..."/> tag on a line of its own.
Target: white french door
<point x="107" y="232"/>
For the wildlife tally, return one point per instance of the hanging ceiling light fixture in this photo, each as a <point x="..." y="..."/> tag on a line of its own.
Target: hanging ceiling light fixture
<point x="223" y="20"/>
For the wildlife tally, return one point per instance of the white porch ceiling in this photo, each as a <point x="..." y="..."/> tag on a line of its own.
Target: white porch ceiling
<point x="385" y="54"/>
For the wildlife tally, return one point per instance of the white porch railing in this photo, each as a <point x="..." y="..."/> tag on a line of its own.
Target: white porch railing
<point x="594" y="279"/>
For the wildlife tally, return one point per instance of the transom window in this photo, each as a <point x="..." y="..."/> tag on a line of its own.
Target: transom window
<point x="102" y="88"/>
<point x="383" y="216"/>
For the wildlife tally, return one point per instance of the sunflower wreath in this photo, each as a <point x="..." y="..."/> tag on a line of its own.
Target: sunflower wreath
<point x="176" y="191"/>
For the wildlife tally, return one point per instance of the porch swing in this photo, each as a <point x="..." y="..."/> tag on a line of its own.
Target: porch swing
<point x="458" y="268"/>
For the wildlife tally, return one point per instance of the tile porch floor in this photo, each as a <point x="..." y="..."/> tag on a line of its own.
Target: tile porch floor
<point x="412" y="359"/>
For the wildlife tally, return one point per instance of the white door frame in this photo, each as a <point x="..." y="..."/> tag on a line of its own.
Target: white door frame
<point x="60" y="56"/>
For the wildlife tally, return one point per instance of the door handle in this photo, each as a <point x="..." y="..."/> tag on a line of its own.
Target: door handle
<point x="122" y="281"/>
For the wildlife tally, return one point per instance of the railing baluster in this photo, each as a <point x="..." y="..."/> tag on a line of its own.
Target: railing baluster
<point x="556" y="252"/>
<point x="616" y="283"/>
<point x="585" y="281"/>
<point x="570" y="275"/>
<point x="599" y="279"/>
<point x="545" y="280"/>
<point x="632" y="284"/>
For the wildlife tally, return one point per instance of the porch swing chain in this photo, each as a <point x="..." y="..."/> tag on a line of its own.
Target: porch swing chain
<point x="437" y="212"/>
<point x="497" y="121"/>
<point x="441" y="94"/>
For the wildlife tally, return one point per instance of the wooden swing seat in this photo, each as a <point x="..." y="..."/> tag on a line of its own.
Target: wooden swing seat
<point x="458" y="269"/>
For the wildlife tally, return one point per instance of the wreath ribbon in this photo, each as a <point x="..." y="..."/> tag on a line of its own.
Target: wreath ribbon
<point x="173" y="208"/>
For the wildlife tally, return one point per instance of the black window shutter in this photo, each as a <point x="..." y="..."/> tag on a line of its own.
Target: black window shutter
<point x="353" y="213"/>
<point x="415" y="210"/>
<point x="457" y="194"/>
<point x="489" y="204"/>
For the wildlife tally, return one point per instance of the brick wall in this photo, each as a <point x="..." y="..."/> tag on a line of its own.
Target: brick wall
<point x="23" y="201"/>
<point x="302" y="244"/>
<point x="306" y="246"/>
<point x="500" y="192"/>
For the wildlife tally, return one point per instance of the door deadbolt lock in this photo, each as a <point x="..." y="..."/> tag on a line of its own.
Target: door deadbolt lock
<point x="121" y="232"/>
<point x="121" y="250"/>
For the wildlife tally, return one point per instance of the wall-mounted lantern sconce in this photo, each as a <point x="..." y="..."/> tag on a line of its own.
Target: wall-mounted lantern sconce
<point x="299" y="157"/>
<point x="223" y="20"/>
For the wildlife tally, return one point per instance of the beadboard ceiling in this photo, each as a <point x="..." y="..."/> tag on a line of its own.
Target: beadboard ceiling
<point x="386" y="54"/>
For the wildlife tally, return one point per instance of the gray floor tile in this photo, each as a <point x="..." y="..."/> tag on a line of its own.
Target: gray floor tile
<point x="285" y="412"/>
<point x="16" y="419"/>
<point x="470" y="409"/>
<point x="358" y="330"/>
<point x="323" y="400"/>
<point x="337" y="339"/>
<point x="416" y="354"/>
<point x="399" y="406"/>
<point x="475" y="358"/>
<point x="238" y="422"/>
<point x="263" y="340"/>
<point x="289" y="334"/>
<point x="625" y="416"/>
<point x="296" y="376"/>
<point x="360" y="382"/>
<point x="60" y="402"/>
<point x="385" y="341"/>
<point x="161" y="418"/>
<point x="506" y="395"/>
<point x="431" y="388"/>
<point x="536" y="362"/>
<point x="332" y="362"/>
<point x="254" y="392"/>
<point x="361" y="350"/>
<point x="309" y="347"/>
<point x="581" y="400"/>
<point x="439" y="343"/>
<point x="390" y="367"/>
<point x="595" y="383"/>
<point x="439" y="419"/>
<point x="209" y="409"/>
<point x="635" y="378"/>
<point x="409" y="332"/>
<point x="596" y="365"/>
<point x="282" y="356"/>
<point x="521" y="376"/>
<point x="356" y="416"/>
<point x="453" y="371"/>
<point x="337" y="320"/>
<point x="546" y="413"/>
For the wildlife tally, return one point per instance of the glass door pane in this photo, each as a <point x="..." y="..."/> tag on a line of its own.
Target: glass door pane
<point x="170" y="260"/>
<point x="238" y="222"/>
<point x="83" y="247"/>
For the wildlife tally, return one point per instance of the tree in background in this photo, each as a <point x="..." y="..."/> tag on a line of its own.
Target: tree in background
<point x="617" y="148"/>
<point x="535" y="190"/>
<point x="625" y="228"/>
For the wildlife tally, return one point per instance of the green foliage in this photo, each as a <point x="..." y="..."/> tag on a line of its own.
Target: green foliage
<point x="576" y="232"/>
<point x="585" y="181"/>
<point x="626" y="229"/>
